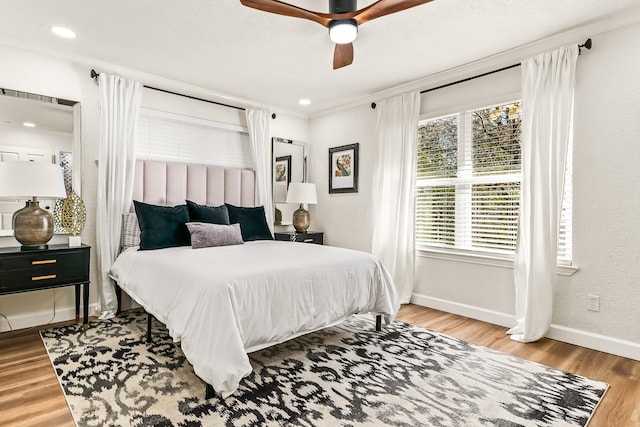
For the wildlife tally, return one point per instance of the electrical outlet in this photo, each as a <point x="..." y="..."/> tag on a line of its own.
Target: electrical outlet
<point x="593" y="302"/>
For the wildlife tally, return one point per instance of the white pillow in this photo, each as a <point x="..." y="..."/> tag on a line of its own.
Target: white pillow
<point x="130" y="230"/>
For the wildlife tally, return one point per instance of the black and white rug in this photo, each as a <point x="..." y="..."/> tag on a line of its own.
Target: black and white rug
<point x="348" y="375"/>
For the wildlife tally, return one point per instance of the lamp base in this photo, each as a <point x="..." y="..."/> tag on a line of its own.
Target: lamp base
<point x="301" y="219"/>
<point x="33" y="226"/>
<point x="34" y="248"/>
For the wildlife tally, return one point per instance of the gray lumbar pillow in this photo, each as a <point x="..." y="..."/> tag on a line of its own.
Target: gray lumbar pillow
<point x="204" y="235"/>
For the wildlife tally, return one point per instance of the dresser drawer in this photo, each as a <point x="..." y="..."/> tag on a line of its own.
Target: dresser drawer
<point x="52" y="267"/>
<point x="308" y="237"/>
<point x="33" y="271"/>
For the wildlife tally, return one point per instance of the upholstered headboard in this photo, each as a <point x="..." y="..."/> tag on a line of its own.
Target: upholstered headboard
<point x="171" y="183"/>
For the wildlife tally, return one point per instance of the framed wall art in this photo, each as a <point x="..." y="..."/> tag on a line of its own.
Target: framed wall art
<point x="343" y="169"/>
<point x="282" y="169"/>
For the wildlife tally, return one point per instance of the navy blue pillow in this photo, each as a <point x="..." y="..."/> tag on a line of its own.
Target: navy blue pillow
<point x="253" y="224"/>
<point x="162" y="226"/>
<point x="210" y="214"/>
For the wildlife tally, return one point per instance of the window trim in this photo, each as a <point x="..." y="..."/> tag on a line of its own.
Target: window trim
<point x="496" y="259"/>
<point x="491" y="259"/>
<point x="464" y="112"/>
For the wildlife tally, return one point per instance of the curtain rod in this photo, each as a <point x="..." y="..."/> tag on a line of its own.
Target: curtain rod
<point x="94" y="75"/>
<point x="587" y="44"/>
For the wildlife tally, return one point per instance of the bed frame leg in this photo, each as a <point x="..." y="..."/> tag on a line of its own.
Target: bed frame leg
<point x="149" y="319"/>
<point x="209" y="392"/>
<point x="119" y="299"/>
<point x="378" y="322"/>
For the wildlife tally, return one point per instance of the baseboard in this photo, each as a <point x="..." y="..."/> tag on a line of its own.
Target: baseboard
<point x="44" y="317"/>
<point x="624" y="348"/>
<point x="473" y="312"/>
<point x="585" y="339"/>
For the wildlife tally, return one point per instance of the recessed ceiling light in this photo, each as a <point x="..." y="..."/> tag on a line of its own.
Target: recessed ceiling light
<point x="304" y="101"/>
<point x="29" y="124"/>
<point x="63" y="32"/>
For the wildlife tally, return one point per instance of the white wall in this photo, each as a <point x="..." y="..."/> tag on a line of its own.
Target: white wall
<point x="606" y="194"/>
<point x="41" y="74"/>
<point x="346" y="218"/>
<point x="29" y="72"/>
<point x="606" y="209"/>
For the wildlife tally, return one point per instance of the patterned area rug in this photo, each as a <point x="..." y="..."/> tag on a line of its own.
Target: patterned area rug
<point x="347" y="375"/>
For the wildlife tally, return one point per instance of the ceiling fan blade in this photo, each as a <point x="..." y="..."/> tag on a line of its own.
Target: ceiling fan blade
<point x="343" y="55"/>
<point x="384" y="7"/>
<point x="280" y="8"/>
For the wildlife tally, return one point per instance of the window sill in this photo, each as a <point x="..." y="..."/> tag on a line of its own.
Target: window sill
<point x="492" y="260"/>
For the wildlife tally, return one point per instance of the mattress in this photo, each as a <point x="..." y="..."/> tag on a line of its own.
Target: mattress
<point x="221" y="303"/>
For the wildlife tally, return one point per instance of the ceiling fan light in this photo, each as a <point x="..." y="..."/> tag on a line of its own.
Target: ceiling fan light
<point x="343" y="31"/>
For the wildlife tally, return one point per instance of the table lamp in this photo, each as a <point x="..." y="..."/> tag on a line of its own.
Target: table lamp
<point x="32" y="225"/>
<point x="302" y="192"/>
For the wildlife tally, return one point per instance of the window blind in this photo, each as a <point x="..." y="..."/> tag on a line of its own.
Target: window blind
<point x="174" y="137"/>
<point x="565" y="233"/>
<point x="468" y="179"/>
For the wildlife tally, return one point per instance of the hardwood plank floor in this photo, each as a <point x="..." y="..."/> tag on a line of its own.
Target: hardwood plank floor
<point x="31" y="396"/>
<point x="621" y="404"/>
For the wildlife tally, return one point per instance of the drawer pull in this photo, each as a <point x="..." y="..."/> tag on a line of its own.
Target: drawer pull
<point x="49" y="276"/>
<point x="44" y="261"/>
<point x="308" y="240"/>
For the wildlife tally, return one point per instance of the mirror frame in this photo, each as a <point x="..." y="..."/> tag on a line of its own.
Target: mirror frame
<point x="305" y="169"/>
<point x="76" y="173"/>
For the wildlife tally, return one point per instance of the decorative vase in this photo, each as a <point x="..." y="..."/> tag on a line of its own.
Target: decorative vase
<point x="74" y="217"/>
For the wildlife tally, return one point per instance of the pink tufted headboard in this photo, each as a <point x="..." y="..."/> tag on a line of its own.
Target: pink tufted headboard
<point x="171" y="183"/>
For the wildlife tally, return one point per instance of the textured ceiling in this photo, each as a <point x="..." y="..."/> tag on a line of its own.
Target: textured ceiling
<point x="224" y="47"/>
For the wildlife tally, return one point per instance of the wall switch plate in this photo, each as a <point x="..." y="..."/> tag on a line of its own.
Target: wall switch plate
<point x="593" y="302"/>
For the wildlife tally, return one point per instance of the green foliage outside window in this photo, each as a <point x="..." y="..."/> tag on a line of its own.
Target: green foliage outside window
<point x="473" y="202"/>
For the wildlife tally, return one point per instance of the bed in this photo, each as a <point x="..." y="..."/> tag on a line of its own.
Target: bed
<point x="223" y="302"/>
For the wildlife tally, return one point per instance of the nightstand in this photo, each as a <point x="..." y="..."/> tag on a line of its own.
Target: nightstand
<point x="316" y="237"/>
<point x="54" y="267"/>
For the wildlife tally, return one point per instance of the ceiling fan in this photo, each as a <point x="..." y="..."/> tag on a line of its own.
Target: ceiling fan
<point x="342" y="21"/>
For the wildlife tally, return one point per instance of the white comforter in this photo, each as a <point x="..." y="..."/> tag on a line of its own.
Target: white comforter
<point x="224" y="302"/>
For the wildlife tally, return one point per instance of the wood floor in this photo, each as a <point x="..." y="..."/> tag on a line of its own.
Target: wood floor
<point x="31" y="396"/>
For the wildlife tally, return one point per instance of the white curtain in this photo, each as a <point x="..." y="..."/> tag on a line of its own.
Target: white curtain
<point x="393" y="189"/>
<point x="119" y="108"/>
<point x="258" y="124"/>
<point x="548" y="82"/>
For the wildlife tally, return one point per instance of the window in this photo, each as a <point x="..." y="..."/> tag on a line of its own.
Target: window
<point x="180" y="138"/>
<point x="468" y="182"/>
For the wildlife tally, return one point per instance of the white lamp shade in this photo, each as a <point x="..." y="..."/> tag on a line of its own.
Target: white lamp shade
<point x="302" y="192"/>
<point x="24" y="180"/>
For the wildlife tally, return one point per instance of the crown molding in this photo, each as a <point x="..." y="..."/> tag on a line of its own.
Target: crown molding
<point x="577" y="35"/>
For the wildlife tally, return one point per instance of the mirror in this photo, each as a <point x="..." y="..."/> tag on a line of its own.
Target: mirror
<point x="38" y="128"/>
<point x="289" y="165"/>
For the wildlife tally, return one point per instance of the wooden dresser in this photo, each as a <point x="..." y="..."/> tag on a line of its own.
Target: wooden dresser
<point x="54" y="267"/>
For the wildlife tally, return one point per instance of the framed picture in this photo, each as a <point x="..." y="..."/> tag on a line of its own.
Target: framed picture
<point x="343" y="169"/>
<point x="282" y="169"/>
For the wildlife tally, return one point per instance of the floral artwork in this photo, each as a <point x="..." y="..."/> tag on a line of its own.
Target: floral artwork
<point x="343" y="169"/>
<point x="343" y="165"/>
<point x="282" y="169"/>
<point x="281" y="173"/>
